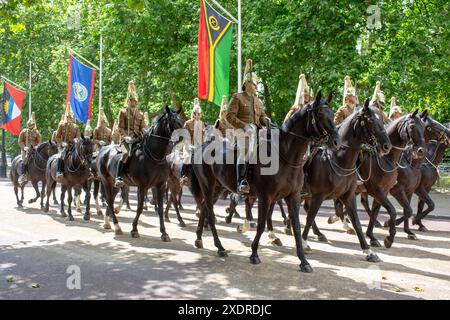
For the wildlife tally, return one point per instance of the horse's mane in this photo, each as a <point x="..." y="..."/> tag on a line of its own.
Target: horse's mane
<point x="287" y="126"/>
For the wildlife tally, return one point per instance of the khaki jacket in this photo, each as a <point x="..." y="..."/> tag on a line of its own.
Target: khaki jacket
<point x="136" y="122"/>
<point x="67" y="132"/>
<point x="342" y="113"/>
<point x="239" y="111"/>
<point x="33" y="135"/>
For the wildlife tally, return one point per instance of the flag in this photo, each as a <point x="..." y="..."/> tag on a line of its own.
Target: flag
<point x="12" y="102"/>
<point x="80" y="89"/>
<point x="214" y="48"/>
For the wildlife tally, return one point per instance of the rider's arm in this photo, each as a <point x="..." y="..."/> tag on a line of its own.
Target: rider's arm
<point x="39" y="138"/>
<point x="20" y="140"/>
<point x="232" y="112"/>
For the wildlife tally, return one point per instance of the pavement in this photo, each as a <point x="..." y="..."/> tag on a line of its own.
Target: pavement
<point x="44" y="256"/>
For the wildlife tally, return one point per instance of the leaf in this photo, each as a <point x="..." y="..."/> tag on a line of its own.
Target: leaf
<point x="397" y="289"/>
<point x="383" y="278"/>
<point x="36" y="285"/>
<point x="10" y="279"/>
<point x="418" y="289"/>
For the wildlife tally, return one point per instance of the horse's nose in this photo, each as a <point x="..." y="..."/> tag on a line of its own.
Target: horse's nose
<point x="420" y="151"/>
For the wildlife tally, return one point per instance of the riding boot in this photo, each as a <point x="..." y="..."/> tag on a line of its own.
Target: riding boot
<point x="184" y="174"/>
<point x="119" y="181"/>
<point x="24" y="174"/>
<point x="59" y="168"/>
<point x="242" y="186"/>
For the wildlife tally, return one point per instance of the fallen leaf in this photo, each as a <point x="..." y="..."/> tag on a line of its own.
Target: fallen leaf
<point x="397" y="289"/>
<point x="383" y="278"/>
<point x="418" y="289"/>
<point x="35" y="285"/>
<point x="10" y="279"/>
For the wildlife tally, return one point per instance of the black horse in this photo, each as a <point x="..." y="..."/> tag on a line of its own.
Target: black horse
<point x="146" y="168"/>
<point x="75" y="172"/>
<point x="313" y="121"/>
<point x="36" y="170"/>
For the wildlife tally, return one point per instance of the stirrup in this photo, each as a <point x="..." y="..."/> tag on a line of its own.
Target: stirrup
<point x="59" y="174"/>
<point x="119" y="182"/>
<point x="243" y="187"/>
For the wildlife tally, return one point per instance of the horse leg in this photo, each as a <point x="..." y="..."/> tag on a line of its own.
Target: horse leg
<point x="273" y="238"/>
<point x="381" y="198"/>
<point x="69" y="203"/>
<point x="42" y="194"/>
<point x="283" y="213"/>
<point x="140" y="206"/>
<point x="230" y="210"/>
<point x="424" y="199"/>
<point x="199" y="232"/>
<point x="78" y="197"/>
<point x="96" y="191"/>
<point x="50" y="184"/>
<point x="16" y="192"/>
<point x="179" y="217"/>
<point x="263" y="209"/>
<point x="311" y="207"/>
<point x="320" y="236"/>
<point x="180" y="194"/>
<point x="166" y="211"/>
<point x="63" y="193"/>
<point x="160" y="200"/>
<point x="55" y="201"/>
<point x="36" y="189"/>
<point x="87" y="189"/>
<point x="110" y="194"/>
<point x="337" y="216"/>
<point x="404" y="202"/>
<point x="293" y="204"/>
<point x="350" y="203"/>
<point x="366" y="205"/>
<point x="249" y="202"/>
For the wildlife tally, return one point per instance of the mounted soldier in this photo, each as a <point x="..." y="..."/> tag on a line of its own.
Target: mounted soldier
<point x="302" y="96"/>
<point x="378" y="102"/>
<point x="396" y="111"/>
<point x="28" y="139"/>
<point x="102" y="134"/>
<point x="349" y="102"/>
<point x="115" y="135"/>
<point x="223" y="123"/>
<point x="65" y="135"/>
<point x="88" y="129"/>
<point x="196" y="128"/>
<point x="131" y="123"/>
<point x="245" y="112"/>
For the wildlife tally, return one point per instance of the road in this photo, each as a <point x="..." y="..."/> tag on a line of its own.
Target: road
<point x="39" y="253"/>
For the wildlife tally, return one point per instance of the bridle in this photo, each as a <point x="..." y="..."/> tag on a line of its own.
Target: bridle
<point x="83" y="159"/>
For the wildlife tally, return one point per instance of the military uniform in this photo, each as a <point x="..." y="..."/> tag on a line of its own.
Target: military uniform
<point x="28" y="139"/>
<point x="240" y="113"/>
<point x="342" y="113"/>
<point x="345" y="110"/>
<point x="101" y="134"/>
<point x="302" y="96"/>
<point x="377" y="103"/>
<point x="66" y="133"/>
<point x="88" y="129"/>
<point x="115" y="135"/>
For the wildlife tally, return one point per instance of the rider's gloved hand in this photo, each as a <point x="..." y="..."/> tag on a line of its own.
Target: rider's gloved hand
<point x="102" y="143"/>
<point x="64" y="144"/>
<point x="25" y="149"/>
<point x="247" y="127"/>
<point x="128" y="139"/>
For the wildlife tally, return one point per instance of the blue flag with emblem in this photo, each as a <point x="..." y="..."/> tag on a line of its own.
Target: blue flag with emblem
<point x="80" y="89"/>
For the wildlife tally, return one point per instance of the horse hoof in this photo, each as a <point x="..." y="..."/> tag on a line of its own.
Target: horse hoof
<point x="197" y="214"/>
<point x="63" y="215"/>
<point x="306" y="268"/>
<point x="134" y="234"/>
<point x="386" y="224"/>
<point x="253" y="225"/>
<point x="377" y="224"/>
<point x="56" y="203"/>
<point x="222" y="253"/>
<point x="387" y="243"/>
<point x="239" y="229"/>
<point x="423" y="229"/>
<point x="228" y="210"/>
<point x="46" y="209"/>
<point x="182" y="224"/>
<point x="116" y="210"/>
<point x="412" y="236"/>
<point x="199" y="244"/>
<point x="228" y="219"/>
<point x="145" y="208"/>
<point x="31" y="201"/>
<point x="71" y="218"/>
<point x="99" y="212"/>
<point x="180" y="207"/>
<point x="86" y="217"/>
<point x="375" y="244"/>
<point x="307" y="249"/>
<point x="288" y="231"/>
<point x="277" y="242"/>
<point x="333" y="219"/>
<point x="322" y="238"/>
<point x="285" y="222"/>
<point x="106" y="226"/>
<point x="165" y="238"/>
<point x="166" y="220"/>
<point x="21" y="206"/>
<point x="372" y="257"/>
<point x="236" y="214"/>
<point x="255" y="260"/>
<point x="118" y="232"/>
<point x="79" y="210"/>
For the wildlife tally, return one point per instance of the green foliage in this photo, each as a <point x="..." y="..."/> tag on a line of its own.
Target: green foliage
<point x="155" y="43"/>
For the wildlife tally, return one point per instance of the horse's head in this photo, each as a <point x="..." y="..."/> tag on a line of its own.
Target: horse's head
<point x="212" y="132"/>
<point x="167" y="123"/>
<point x="411" y="129"/>
<point x="52" y="148"/>
<point x="84" y="148"/>
<point x="433" y="129"/>
<point x="371" y="130"/>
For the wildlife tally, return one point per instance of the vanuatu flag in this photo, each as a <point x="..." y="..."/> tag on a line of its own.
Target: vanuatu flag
<point x="80" y="89"/>
<point x="11" y="106"/>
<point x="214" y="46"/>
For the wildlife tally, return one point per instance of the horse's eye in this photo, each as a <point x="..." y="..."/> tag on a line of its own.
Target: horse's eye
<point x="429" y="128"/>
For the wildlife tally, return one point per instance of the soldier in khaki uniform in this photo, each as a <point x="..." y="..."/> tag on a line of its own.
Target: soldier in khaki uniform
<point x="116" y="133"/>
<point x="65" y="135"/>
<point x="196" y="128"/>
<point x="396" y="111"/>
<point x="102" y="134"/>
<point x="302" y="97"/>
<point x="245" y="111"/>
<point x="88" y="129"/>
<point x="349" y="103"/>
<point x="377" y="103"/>
<point x="28" y="139"/>
<point x="131" y="123"/>
<point x="223" y="123"/>
<point x="54" y="132"/>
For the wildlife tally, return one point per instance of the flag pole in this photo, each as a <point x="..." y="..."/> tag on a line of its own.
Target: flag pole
<point x="100" y="79"/>
<point x="29" y="90"/>
<point x="15" y="84"/>
<point x="84" y="59"/>
<point x="239" y="53"/>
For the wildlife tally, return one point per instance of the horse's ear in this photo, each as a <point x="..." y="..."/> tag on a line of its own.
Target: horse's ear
<point x="414" y="113"/>
<point x="330" y="97"/>
<point x="318" y="98"/>
<point x="180" y="110"/>
<point x="167" y="109"/>
<point x="366" y="104"/>
<point x="82" y="136"/>
<point x="92" y="137"/>
<point x="424" y="114"/>
<point x="217" y="124"/>
<point x="49" y="141"/>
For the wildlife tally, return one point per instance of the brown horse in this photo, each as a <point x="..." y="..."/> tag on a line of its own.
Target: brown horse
<point x="146" y="168"/>
<point x="314" y="121"/>
<point x="36" y="170"/>
<point x="379" y="173"/>
<point x="75" y="172"/>
<point x="333" y="174"/>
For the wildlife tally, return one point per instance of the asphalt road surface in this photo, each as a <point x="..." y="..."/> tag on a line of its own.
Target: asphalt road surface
<point x="44" y="256"/>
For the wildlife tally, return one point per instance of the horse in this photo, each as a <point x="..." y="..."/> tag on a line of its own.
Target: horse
<point x="379" y="173"/>
<point x="75" y="172"/>
<point x="174" y="186"/>
<point x="36" y="170"/>
<point x="313" y="121"/>
<point x="429" y="176"/>
<point x="333" y="174"/>
<point x="146" y="168"/>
